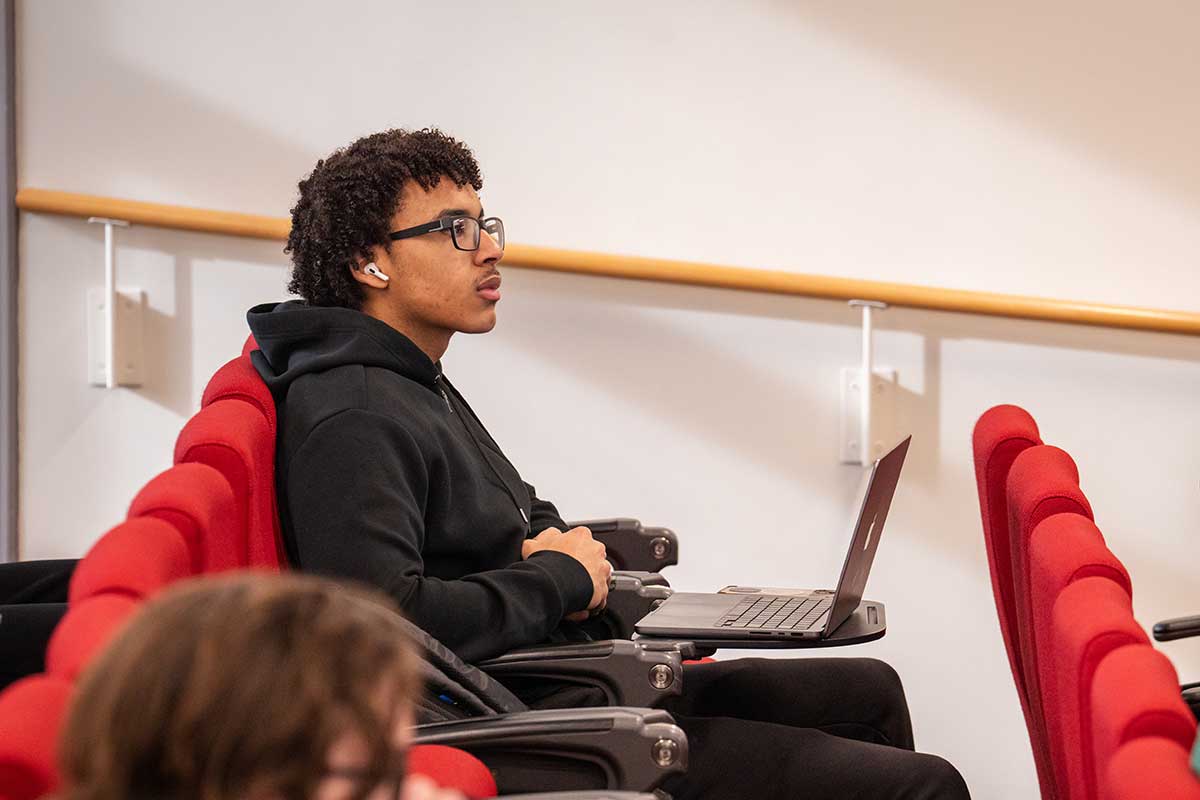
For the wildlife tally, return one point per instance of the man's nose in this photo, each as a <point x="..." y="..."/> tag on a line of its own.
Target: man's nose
<point x="489" y="251"/>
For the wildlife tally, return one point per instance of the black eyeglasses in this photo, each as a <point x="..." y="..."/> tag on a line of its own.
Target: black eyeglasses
<point x="464" y="230"/>
<point x="361" y="776"/>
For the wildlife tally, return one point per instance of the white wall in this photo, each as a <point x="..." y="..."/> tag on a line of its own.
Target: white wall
<point x="1018" y="149"/>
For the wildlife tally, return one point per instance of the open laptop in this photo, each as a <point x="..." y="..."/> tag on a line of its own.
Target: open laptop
<point x="743" y="613"/>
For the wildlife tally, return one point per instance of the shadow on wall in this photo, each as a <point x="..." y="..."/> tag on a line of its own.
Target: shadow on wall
<point x="210" y="146"/>
<point x="169" y="339"/>
<point x="1091" y="75"/>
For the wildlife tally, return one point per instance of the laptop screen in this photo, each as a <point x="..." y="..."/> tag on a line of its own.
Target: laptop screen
<point x="877" y="499"/>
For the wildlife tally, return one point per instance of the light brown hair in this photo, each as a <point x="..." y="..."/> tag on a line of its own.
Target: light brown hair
<point x="236" y="687"/>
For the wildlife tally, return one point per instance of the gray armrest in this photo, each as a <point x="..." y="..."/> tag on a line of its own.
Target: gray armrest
<point x="629" y="673"/>
<point x="631" y="749"/>
<point x="1178" y="628"/>
<point x="584" y="796"/>
<point x="633" y="547"/>
<point x="633" y="595"/>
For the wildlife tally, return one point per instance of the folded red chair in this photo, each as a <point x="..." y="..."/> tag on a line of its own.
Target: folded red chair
<point x="1042" y="482"/>
<point x="1000" y="435"/>
<point x="85" y="630"/>
<point x="135" y="559"/>
<point x="234" y="438"/>
<point x="1091" y="618"/>
<point x="1063" y="549"/>
<point x="31" y="712"/>
<point x="1149" y="768"/>
<point x="197" y="500"/>
<point x="1135" y="694"/>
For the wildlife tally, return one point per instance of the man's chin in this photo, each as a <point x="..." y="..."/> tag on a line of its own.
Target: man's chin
<point x="482" y="324"/>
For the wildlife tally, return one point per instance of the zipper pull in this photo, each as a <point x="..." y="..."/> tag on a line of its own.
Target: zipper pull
<point x="523" y="516"/>
<point x="447" y="399"/>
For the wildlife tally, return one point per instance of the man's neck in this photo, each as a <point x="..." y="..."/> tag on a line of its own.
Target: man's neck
<point x="433" y="342"/>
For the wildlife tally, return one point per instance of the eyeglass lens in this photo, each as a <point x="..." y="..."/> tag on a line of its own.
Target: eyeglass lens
<point x="465" y="231"/>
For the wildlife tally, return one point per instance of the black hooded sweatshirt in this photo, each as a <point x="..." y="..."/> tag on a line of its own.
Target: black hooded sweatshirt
<point x="385" y="475"/>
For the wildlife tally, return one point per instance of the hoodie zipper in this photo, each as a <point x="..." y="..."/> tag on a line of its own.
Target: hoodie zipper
<point x="437" y="380"/>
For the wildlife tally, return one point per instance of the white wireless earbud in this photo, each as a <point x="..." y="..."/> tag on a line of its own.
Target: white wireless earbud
<point x="371" y="269"/>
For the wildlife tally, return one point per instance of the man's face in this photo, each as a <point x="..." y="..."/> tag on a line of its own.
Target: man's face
<point x="436" y="288"/>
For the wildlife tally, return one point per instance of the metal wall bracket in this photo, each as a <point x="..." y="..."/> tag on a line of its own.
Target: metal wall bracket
<point x="128" y="327"/>
<point x="110" y="299"/>
<point x="867" y="416"/>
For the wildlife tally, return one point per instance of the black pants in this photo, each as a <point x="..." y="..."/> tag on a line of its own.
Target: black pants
<point x="813" y="728"/>
<point x="33" y="598"/>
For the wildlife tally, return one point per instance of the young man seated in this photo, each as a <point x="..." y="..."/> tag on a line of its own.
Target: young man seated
<point x="386" y="475"/>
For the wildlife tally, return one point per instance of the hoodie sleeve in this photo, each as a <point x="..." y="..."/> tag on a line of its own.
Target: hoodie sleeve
<point x="356" y="490"/>
<point x="542" y="514"/>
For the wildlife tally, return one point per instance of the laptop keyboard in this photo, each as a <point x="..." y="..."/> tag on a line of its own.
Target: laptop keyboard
<point x="775" y="613"/>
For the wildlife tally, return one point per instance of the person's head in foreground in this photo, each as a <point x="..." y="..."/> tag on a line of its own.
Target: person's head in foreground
<point x="392" y="225"/>
<point x="249" y="687"/>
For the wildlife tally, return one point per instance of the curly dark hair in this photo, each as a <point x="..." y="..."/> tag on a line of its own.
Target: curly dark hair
<point x="347" y="203"/>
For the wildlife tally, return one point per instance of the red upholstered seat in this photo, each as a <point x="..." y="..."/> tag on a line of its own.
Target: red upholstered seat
<point x="135" y="559"/>
<point x="234" y="438"/>
<point x="32" y="711"/>
<point x="1149" y="768"/>
<point x="1135" y="693"/>
<point x="197" y="500"/>
<point x="87" y="629"/>
<point x="1091" y="618"/>
<point x="1002" y="434"/>
<point x="452" y="769"/>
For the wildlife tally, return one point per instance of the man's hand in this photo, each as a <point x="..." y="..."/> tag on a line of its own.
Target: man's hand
<point x="579" y="545"/>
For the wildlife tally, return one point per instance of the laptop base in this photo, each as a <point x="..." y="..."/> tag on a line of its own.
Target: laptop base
<point x="866" y="624"/>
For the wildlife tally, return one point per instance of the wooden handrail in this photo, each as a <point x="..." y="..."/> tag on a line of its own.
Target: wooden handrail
<point x="656" y="269"/>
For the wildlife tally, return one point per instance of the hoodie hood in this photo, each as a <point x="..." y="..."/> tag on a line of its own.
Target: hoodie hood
<point x="296" y="339"/>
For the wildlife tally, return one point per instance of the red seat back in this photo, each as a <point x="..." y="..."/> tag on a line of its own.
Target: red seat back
<point x="1136" y="694"/>
<point x="197" y="500"/>
<point x="1149" y="768"/>
<point x="135" y="559"/>
<point x="32" y="711"/>
<point x="238" y="380"/>
<point x="234" y="439"/>
<point x="1091" y="618"/>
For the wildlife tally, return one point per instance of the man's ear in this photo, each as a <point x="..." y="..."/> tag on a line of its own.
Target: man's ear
<point x="368" y="274"/>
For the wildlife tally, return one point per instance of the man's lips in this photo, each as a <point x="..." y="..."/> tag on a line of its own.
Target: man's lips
<point x="489" y="288"/>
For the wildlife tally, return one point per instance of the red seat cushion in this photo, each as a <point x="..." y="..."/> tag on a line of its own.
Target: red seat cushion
<point x="1091" y="618"/>
<point x="452" y="769"/>
<point x="136" y="559"/>
<point x="1136" y="693"/>
<point x="199" y="502"/>
<point x="233" y="438"/>
<point x="1149" y="769"/>
<point x="32" y="712"/>
<point x="87" y="629"/>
